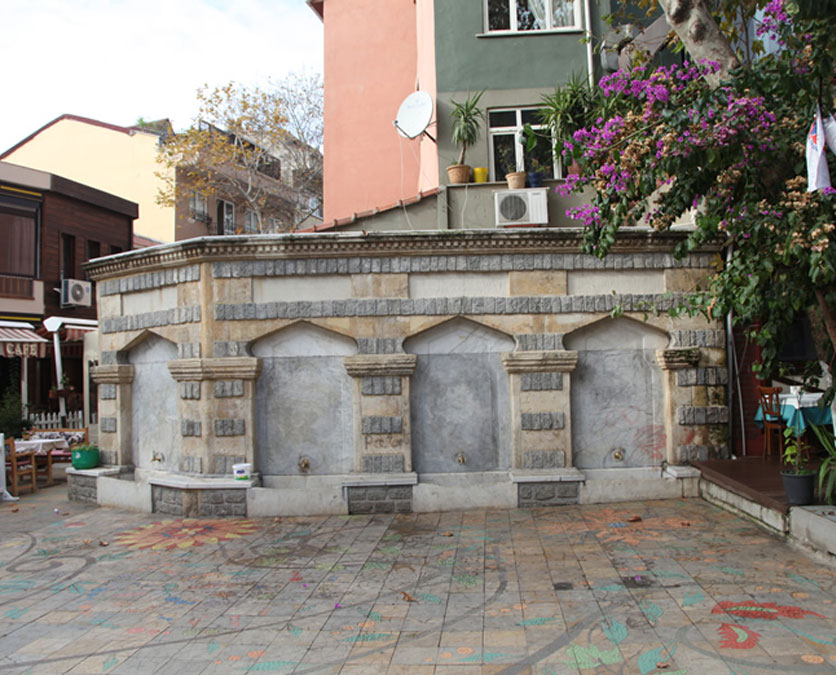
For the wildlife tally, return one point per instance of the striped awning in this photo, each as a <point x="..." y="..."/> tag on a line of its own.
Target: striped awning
<point x="76" y="333"/>
<point x="21" y="342"/>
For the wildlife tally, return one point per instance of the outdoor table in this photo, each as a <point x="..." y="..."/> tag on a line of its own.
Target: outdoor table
<point x="43" y="448"/>
<point x="799" y="411"/>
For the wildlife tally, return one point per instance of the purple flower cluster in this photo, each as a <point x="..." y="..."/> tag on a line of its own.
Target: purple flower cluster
<point x="588" y="214"/>
<point x="597" y="138"/>
<point x="567" y="188"/>
<point x="775" y="19"/>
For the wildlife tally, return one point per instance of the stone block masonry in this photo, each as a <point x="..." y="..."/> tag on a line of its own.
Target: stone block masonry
<point x="380" y="386"/>
<point x="380" y="499"/>
<point x="199" y="503"/>
<point x="382" y="464"/>
<point x="544" y="459"/>
<point x="534" y="495"/>
<point x="82" y="489"/>
<point x="382" y="425"/>
<point x="542" y="421"/>
<point x="541" y="381"/>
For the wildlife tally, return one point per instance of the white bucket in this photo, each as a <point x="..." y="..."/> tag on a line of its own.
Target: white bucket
<point x="241" y="471"/>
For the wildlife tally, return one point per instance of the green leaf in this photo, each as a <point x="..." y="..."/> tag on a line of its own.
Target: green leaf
<point x="616" y="631"/>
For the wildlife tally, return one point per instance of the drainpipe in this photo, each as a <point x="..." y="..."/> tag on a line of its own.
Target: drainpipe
<point x="733" y="376"/>
<point x="589" y="53"/>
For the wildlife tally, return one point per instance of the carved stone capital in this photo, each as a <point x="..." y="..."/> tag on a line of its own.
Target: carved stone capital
<point x="117" y="373"/>
<point x="561" y="361"/>
<point x="377" y="365"/>
<point x="233" y="367"/>
<point x="676" y="359"/>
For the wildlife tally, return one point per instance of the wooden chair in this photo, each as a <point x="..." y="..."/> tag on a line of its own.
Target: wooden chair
<point x="772" y="421"/>
<point x="43" y="465"/>
<point x="21" y="471"/>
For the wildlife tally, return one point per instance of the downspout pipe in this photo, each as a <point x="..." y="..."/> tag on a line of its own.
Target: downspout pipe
<point x="733" y="375"/>
<point x="589" y="49"/>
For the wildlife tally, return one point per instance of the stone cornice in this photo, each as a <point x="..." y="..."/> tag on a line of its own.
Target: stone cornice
<point x="379" y="365"/>
<point x="676" y="359"/>
<point x="119" y="373"/>
<point x="325" y="245"/>
<point x="230" y="368"/>
<point x="562" y="361"/>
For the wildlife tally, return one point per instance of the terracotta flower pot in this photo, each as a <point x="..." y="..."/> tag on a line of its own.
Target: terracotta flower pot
<point x="458" y="173"/>
<point x="516" y="180"/>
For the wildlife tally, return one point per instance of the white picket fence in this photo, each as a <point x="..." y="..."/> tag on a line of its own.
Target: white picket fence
<point x="74" y="420"/>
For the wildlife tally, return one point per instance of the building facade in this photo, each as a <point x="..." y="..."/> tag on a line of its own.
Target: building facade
<point x="511" y="49"/>
<point x="50" y="227"/>
<point x="123" y="161"/>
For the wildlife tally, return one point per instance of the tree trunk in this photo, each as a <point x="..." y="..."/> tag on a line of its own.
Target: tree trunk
<point x="827" y="315"/>
<point x="701" y="35"/>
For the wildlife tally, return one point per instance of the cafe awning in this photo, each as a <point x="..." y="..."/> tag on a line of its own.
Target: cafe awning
<point x="20" y="339"/>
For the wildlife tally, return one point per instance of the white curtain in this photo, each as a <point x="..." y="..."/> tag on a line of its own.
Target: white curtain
<point x="538" y="8"/>
<point x="563" y="12"/>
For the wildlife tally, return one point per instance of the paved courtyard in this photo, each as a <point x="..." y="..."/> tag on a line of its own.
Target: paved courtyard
<point x="645" y="587"/>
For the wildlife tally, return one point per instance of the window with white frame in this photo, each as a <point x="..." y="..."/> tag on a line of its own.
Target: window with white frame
<point x="226" y="217"/>
<point x="508" y="144"/>
<point x="199" y="206"/>
<point x="250" y="222"/>
<point x="532" y="15"/>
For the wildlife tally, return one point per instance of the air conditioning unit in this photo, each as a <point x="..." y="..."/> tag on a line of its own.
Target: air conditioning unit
<point x="521" y="207"/>
<point x="76" y="293"/>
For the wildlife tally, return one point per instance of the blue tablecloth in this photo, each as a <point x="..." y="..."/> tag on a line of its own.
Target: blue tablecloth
<point x="800" y="417"/>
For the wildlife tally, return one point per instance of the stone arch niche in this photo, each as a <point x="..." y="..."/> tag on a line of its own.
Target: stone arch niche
<point x="155" y="428"/>
<point x="460" y="400"/>
<point x="304" y="402"/>
<point x="617" y="395"/>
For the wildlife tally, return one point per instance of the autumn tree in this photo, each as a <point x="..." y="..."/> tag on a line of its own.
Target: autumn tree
<point x="722" y="139"/>
<point x="236" y="150"/>
<point x="301" y="96"/>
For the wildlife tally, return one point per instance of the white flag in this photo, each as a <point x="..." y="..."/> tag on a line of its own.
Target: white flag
<point x="818" y="175"/>
<point x="830" y="133"/>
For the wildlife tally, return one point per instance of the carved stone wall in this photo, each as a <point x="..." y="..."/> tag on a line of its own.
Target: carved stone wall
<point x="323" y="354"/>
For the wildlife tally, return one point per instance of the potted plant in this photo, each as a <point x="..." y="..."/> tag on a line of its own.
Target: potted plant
<point x="467" y="118"/>
<point x="536" y="173"/>
<point x="799" y="480"/>
<point x="85" y="456"/>
<point x="508" y="165"/>
<point x="827" y="469"/>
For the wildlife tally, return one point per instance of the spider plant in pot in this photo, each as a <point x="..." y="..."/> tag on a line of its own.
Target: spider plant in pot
<point x="798" y="479"/>
<point x="467" y="120"/>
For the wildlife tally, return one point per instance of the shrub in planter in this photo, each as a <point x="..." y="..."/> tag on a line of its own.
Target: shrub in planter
<point x="85" y="456"/>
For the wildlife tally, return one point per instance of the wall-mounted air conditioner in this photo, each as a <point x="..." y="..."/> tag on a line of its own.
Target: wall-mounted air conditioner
<point x="521" y="207"/>
<point x="76" y="293"/>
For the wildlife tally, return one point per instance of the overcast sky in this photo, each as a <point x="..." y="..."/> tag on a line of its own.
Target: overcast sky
<point x="118" y="60"/>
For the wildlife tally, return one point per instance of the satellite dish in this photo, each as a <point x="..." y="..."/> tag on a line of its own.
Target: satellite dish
<point x="414" y="115"/>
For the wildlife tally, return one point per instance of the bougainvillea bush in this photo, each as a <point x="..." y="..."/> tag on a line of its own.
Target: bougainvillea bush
<point x="732" y="157"/>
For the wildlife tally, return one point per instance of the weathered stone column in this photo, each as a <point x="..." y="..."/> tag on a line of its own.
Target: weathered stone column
<point x="541" y="410"/>
<point x="217" y="412"/>
<point x="384" y="440"/>
<point x="672" y="362"/>
<point x="115" y="382"/>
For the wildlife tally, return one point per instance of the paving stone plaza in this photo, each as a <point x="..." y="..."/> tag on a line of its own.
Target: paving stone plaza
<point x="672" y="586"/>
